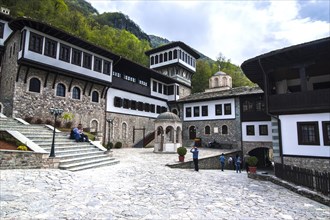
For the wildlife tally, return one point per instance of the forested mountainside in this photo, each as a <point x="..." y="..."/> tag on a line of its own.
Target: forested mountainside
<point x="116" y="32"/>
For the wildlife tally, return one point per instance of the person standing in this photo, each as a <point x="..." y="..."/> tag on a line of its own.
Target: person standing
<point x="195" y="152"/>
<point x="222" y="161"/>
<point x="238" y="161"/>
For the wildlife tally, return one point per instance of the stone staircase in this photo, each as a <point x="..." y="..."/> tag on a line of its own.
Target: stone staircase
<point x="73" y="156"/>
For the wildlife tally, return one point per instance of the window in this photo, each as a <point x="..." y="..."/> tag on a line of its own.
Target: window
<point x="76" y="93"/>
<point x="205" y="110"/>
<point x="165" y="90"/>
<point x="170" y="55"/>
<point x="36" y="42"/>
<point x="126" y="103"/>
<point x="218" y="109"/>
<point x="224" y="129"/>
<point x="170" y="90"/>
<point x="207" y="130"/>
<point x="106" y="67"/>
<point x="160" y="88"/>
<point x="60" y="90"/>
<point x="76" y="57"/>
<point x="188" y="112"/>
<point x="133" y="105"/>
<point x="260" y="106"/>
<point x="250" y="130"/>
<point x="97" y="64"/>
<point x="2" y="28"/>
<point x="152" y="108"/>
<point x="34" y="85"/>
<point x="227" y="109"/>
<point x="140" y="106"/>
<point x="87" y="62"/>
<point x="247" y="106"/>
<point x="161" y="58"/>
<point x="158" y="109"/>
<point x="146" y="107"/>
<point x="50" y="48"/>
<point x="326" y="132"/>
<point x="164" y="109"/>
<point x="152" y="60"/>
<point x="196" y="111"/>
<point x="156" y="59"/>
<point x="263" y="130"/>
<point x="154" y="86"/>
<point x="116" y="74"/>
<point x="165" y="56"/>
<point x="177" y="90"/>
<point x="95" y="96"/>
<point x="117" y="102"/>
<point x="175" y="54"/>
<point x="308" y="133"/>
<point x="65" y="53"/>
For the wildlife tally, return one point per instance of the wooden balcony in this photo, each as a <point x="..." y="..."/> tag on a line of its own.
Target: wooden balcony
<point x="300" y="102"/>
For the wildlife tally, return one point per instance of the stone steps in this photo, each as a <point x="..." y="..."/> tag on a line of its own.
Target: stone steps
<point x="73" y="155"/>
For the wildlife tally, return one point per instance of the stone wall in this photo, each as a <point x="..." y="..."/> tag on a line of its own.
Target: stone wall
<point x="251" y="145"/>
<point x="206" y="163"/>
<point x="117" y="132"/>
<point x="8" y="74"/>
<point x="318" y="164"/>
<point x="12" y="159"/>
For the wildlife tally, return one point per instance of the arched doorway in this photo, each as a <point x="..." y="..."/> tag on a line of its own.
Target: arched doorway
<point x="192" y="132"/>
<point x="263" y="155"/>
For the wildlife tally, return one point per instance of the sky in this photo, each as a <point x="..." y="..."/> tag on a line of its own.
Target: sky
<point x="237" y="29"/>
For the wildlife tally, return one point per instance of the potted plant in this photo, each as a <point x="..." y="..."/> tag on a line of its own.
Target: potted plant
<point x="182" y="151"/>
<point x="252" y="162"/>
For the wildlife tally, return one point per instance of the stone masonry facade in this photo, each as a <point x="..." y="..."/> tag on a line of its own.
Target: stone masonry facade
<point x="121" y="128"/>
<point x="308" y="163"/>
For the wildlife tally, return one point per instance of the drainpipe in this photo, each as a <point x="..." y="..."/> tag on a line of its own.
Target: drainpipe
<point x="267" y="110"/>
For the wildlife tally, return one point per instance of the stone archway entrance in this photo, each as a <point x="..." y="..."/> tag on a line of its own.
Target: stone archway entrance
<point x="263" y="154"/>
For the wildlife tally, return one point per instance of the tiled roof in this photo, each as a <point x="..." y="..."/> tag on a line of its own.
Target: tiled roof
<point x="234" y="92"/>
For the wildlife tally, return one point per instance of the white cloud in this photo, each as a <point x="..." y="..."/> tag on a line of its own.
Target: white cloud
<point x="238" y="29"/>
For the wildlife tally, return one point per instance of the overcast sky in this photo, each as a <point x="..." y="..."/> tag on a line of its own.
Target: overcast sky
<point x="238" y="29"/>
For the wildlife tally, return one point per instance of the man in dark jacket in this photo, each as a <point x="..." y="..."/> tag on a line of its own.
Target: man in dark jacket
<point x="195" y="151"/>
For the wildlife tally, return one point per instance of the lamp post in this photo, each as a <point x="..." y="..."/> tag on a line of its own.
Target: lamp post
<point x="56" y="112"/>
<point x="110" y="121"/>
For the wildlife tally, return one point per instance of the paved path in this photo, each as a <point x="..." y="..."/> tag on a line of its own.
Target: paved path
<point x="141" y="187"/>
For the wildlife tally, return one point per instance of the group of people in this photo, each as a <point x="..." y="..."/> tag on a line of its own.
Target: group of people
<point x="77" y="133"/>
<point x="237" y="161"/>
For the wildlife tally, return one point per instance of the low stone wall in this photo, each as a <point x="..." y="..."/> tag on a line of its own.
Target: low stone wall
<point x="13" y="159"/>
<point x="206" y="163"/>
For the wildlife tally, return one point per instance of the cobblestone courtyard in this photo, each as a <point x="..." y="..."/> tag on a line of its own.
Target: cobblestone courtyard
<point x="142" y="187"/>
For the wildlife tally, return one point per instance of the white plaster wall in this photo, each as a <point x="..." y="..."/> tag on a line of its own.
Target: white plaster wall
<point x="256" y="136"/>
<point x="62" y="64"/>
<point x="290" y="135"/>
<point x="211" y="110"/>
<point x="6" y="32"/>
<point x="131" y="96"/>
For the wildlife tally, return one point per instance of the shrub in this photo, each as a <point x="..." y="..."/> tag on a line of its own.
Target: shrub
<point x="39" y="121"/>
<point x="28" y="119"/>
<point x="252" y="161"/>
<point x="68" y="124"/>
<point x="118" y="145"/>
<point x="109" y="146"/>
<point x="48" y="122"/>
<point x="58" y="124"/>
<point x="181" y="151"/>
<point x="22" y="148"/>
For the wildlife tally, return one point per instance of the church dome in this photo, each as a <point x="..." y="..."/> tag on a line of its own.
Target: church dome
<point x="167" y="116"/>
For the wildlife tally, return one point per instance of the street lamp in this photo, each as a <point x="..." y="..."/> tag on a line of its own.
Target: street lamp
<point x="110" y="121"/>
<point x="56" y="112"/>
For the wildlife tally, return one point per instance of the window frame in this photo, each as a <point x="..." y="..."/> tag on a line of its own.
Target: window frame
<point x="97" y="97"/>
<point x="205" y="110"/>
<point x="261" y="129"/>
<point x="218" y="109"/>
<point x="326" y="133"/>
<point x="117" y="102"/>
<point x="207" y="130"/>
<point x="73" y="93"/>
<point x="97" y="64"/>
<point x="35" y="45"/>
<point x="106" y="67"/>
<point x="65" y="53"/>
<point x="225" y="109"/>
<point x="60" y="90"/>
<point x="87" y="60"/>
<point x="196" y="111"/>
<point x="250" y="132"/>
<point x="32" y="85"/>
<point x="76" y="57"/>
<point x="315" y="125"/>
<point x="50" y="48"/>
<point x="188" y="112"/>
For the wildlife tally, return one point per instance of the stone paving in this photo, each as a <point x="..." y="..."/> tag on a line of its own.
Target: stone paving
<point x="142" y="187"/>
